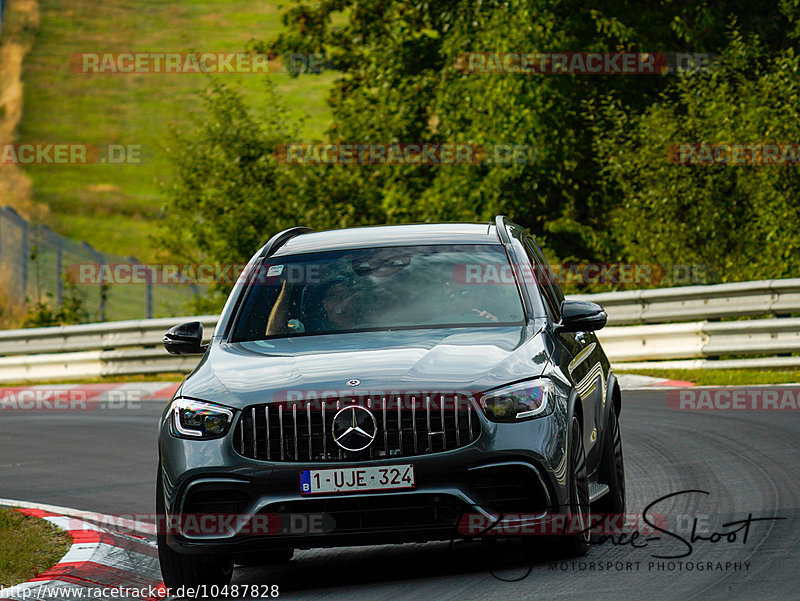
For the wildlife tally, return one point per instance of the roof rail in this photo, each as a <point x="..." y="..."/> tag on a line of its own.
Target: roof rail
<point x="500" y="223"/>
<point x="281" y="238"/>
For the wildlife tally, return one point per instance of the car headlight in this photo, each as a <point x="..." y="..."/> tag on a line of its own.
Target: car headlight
<point x="519" y="402"/>
<point x="195" y="419"/>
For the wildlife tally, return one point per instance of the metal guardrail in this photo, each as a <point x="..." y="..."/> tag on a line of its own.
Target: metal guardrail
<point x="93" y="336"/>
<point x="694" y="303"/>
<point x="134" y="347"/>
<point x="93" y="350"/>
<point x="702" y="339"/>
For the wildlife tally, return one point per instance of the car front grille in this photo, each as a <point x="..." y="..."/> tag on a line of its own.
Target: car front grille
<point x="375" y="514"/>
<point x="509" y="489"/>
<point x="216" y="501"/>
<point x="303" y="431"/>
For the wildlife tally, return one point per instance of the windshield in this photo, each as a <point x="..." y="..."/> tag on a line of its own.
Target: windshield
<point x="380" y="289"/>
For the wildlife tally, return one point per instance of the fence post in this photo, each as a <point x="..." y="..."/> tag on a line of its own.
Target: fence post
<point x="148" y="291"/>
<point x="25" y="251"/>
<point x="98" y="256"/>
<point x="48" y="238"/>
<point x="149" y="295"/>
<point x="59" y="272"/>
<point x="12" y="216"/>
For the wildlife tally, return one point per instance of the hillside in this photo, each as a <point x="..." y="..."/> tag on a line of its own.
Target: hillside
<point x="113" y="206"/>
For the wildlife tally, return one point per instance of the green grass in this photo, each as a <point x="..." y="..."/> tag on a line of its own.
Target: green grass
<point x="30" y="546"/>
<point x="725" y="377"/>
<point x="113" y="207"/>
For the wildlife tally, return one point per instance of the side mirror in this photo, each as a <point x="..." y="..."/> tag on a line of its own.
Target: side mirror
<point x="581" y="316"/>
<point x="185" y="339"/>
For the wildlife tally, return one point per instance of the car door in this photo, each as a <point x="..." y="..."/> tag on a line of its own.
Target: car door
<point x="585" y="366"/>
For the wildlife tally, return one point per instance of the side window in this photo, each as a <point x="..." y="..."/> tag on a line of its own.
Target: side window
<point x="552" y="278"/>
<point x="545" y="280"/>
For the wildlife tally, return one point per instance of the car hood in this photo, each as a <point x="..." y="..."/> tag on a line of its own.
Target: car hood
<point x="446" y="360"/>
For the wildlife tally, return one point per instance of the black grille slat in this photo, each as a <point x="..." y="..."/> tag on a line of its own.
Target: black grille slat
<point x="400" y="425"/>
<point x="280" y="419"/>
<point x="265" y="433"/>
<point x="414" y="421"/>
<point x="294" y="433"/>
<point x="385" y="429"/>
<point x="266" y="420"/>
<point x="442" y="424"/>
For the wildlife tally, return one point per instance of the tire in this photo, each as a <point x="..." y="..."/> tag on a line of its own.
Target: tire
<point x="612" y="471"/>
<point x="187" y="570"/>
<point x="264" y="558"/>
<point x="575" y="545"/>
<point x="570" y="544"/>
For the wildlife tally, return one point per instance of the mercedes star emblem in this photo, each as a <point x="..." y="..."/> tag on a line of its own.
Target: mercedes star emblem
<point x="353" y="382"/>
<point x="354" y="428"/>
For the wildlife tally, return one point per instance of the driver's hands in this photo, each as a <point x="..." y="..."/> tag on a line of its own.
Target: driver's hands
<point x="296" y="326"/>
<point x="485" y="315"/>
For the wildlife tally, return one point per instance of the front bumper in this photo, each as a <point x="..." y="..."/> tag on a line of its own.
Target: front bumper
<point x="512" y="475"/>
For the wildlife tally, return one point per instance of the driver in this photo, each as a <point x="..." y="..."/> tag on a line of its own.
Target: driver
<point x="338" y="304"/>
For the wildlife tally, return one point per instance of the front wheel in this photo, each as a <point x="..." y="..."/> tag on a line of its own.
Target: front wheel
<point x="575" y="539"/>
<point x="575" y="542"/>
<point x="612" y="471"/>
<point x="187" y="570"/>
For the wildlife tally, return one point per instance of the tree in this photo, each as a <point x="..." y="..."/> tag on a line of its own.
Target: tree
<point x="598" y="186"/>
<point x="737" y="219"/>
<point x="401" y="83"/>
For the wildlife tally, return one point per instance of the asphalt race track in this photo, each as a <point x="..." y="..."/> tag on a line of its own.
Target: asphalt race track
<point x="749" y="462"/>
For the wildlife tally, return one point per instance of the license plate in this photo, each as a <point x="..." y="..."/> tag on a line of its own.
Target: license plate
<point x="351" y="479"/>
